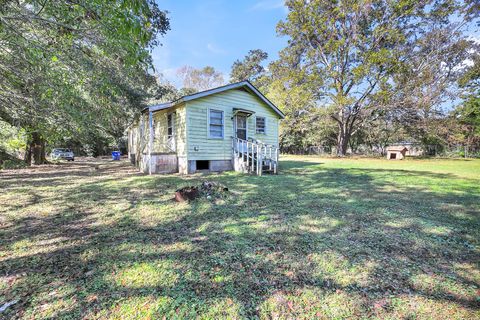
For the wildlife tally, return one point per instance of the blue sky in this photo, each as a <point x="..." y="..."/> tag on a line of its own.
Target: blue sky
<point x="216" y="33"/>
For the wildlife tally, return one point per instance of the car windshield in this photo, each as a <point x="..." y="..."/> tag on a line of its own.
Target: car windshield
<point x="61" y="150"/>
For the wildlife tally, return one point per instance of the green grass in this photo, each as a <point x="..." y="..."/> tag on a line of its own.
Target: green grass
<point x="326" y="238"/>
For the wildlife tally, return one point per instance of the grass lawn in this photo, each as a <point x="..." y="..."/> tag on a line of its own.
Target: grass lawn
<point x="326" y="238"/>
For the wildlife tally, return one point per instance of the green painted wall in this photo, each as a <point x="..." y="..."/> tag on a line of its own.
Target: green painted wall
<point x="221" y="149"/>
<point x="191" y="123"/>
<point x="181" y="130"/>
<point x="160" y="132"/>
<point x="160" y="140"/>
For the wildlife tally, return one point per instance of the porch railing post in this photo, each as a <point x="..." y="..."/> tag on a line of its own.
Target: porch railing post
<point x="234" y="152"/>
<point x="245" y="155"/>
<point x="259" y="156"/>
<point x="270" y="158"/>
<point x="276" y="160"/>
<point x="249" y="156"/>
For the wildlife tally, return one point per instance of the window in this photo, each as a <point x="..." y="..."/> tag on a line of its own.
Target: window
<point x="170" y="125"/>
<point x="260" y="125"/>
<point x="154" y="128"/>
<point x="215" y="124"/>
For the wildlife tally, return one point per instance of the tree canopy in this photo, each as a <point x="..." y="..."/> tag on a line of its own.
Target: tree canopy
<point x="354" y="72"/>
<point x="353" y="54"/>
<point x="199" y="79"/>
<point x="250" y="68"/>
<point x="75" y="68"/>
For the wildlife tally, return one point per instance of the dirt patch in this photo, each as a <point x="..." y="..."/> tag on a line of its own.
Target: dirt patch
<point x="207" y="189"/>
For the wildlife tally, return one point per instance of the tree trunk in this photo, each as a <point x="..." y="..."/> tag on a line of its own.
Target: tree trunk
<point x="37" y="148"/>
<point x="28" y="154"/>
<point x="353" y="143"/>
<point x="343" y="139"/>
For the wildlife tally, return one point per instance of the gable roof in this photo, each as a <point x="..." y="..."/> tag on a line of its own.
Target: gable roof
<point x="242" y="84"/>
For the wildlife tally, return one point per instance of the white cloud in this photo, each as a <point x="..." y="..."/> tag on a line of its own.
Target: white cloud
<point x="474" y="38"/>
<point x="214" y="49"/>
<point x="269" y="5"/>
<point x="468" y="62"/>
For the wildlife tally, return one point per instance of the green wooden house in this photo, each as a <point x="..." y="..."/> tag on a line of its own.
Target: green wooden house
<point x="233" y="127"/>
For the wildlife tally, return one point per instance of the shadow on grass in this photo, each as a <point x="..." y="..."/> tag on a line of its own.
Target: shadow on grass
<point x="355" y="232"/>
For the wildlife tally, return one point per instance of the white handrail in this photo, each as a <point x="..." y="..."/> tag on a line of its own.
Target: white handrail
<point x="251" y="156"/>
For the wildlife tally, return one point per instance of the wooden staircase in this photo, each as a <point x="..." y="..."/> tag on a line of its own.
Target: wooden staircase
<point x="254" y="157"/>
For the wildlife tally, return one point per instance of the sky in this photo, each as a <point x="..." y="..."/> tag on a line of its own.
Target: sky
<point x="216" y="33"/>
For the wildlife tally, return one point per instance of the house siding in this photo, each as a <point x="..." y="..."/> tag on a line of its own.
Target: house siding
<point x="181" y="130"/>
<point x="160" y="141"/>
<point x="192" y="140"/>
<point x="138" y="137"/>
<point x="221" y="149"/>
<point x="181" y="133"/>
<point x="160" y="132"/>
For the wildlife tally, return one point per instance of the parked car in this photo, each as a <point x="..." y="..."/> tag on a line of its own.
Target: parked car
<point x="61" y="153"/>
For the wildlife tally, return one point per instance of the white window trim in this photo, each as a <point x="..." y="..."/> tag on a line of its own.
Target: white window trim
<point x="208" y="124"/>
<point x="265" y="126"/>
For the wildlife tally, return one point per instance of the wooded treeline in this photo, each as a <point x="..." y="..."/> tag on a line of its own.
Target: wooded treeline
<point x="74" y="72"/>
<point x="356" y="75"/>
<point x="359" y="75"/>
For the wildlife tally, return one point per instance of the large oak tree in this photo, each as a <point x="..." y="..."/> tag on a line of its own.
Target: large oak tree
<point x="75" y="68"/>
<point x="350" y="51"/>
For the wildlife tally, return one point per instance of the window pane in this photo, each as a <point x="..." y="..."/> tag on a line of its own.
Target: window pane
<point x="216" y="124"/>
<point x="260" y="124"/>
<point x="216" y="121"/>
<point x="215" y="128"/>
<point x="216" y="114"/>
<point x="216" y="131"/>
<point x="170" y="125"/>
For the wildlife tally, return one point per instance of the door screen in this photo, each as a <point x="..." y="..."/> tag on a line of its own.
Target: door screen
<point x="241" y="126"/>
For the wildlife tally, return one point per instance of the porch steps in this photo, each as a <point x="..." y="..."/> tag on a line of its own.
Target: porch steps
<point x="254" y="157"/>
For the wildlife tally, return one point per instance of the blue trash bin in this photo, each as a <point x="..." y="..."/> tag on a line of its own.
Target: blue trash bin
<point x="116" y="155"/>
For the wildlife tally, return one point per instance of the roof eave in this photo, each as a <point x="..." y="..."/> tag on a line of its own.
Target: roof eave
<point x="205" y="93"/>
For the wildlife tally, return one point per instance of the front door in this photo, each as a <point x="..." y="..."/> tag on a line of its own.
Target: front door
<point x="241" y="127"/>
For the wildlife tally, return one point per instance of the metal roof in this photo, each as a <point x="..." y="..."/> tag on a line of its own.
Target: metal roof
<point x="160" y="106"/>
<point x="242" y="84"/>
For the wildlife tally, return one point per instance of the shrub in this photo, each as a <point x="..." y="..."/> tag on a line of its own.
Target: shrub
<point x="13" y="164"/>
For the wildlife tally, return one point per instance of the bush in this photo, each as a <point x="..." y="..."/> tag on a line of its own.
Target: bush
<point x="13" y="164"/>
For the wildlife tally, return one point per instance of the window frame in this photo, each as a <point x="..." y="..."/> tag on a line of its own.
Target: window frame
<point x="264" y="125"/>
<point x="172" y="115"/>
<point x="221" y="125"/>
<point x="154" y="128"/>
